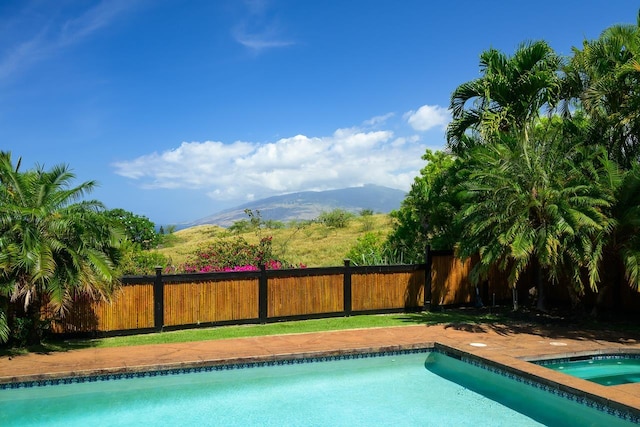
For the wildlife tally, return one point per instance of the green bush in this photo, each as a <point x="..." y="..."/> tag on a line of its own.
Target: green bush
<point x="367" y="222"/>
<point x="136" y="261"/>
<point x="166" y="236"/>
<point x="22" y="328"/>
<point x="137" y="228"/>
<point x="337" y="218"/>
<point x="239" y="227"/>
<point x="273" y="224"/>
<point x="254" y="223"/>
<point x="371" y="249"/>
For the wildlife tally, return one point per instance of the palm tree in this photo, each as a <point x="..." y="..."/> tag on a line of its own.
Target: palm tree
<point x="603" y="77"/>
<point x="512" y="217"/>
<point x="53" y="244"/>
<point x="508" y="96"/>
<point x="562" y="197"/>
<point x="536" y="204"/>
<point x="627" y="232"/>
<point x="623" y="241"/>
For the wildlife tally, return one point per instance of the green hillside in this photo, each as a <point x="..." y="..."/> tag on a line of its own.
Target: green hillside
<point x="312" y="244"/>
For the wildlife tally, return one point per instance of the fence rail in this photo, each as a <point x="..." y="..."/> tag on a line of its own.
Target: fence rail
<point x="166" y="302"/>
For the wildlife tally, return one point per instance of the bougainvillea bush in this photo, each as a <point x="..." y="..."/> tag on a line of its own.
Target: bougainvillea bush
<point x="233" y="255"/>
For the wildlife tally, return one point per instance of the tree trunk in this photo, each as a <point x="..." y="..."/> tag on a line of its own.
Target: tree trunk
<point x="602" y="293"/>
<point x="573" y="297"/>
<point x="34" y="333"/>
<point x="541" y="304"/>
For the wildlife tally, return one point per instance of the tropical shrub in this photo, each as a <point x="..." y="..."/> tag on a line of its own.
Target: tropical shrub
<point x="233" y="255"/>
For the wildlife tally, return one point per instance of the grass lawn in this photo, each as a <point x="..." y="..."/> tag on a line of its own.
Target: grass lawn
<point x="294" y="327"/>
<point x="498" y="315"/>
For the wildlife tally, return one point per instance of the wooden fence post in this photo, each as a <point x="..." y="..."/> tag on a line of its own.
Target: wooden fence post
<point x="158" y="301"/>
<point x="263" y="297"/>
<point x="347" y="305"/>
<point x="427" y="278"/>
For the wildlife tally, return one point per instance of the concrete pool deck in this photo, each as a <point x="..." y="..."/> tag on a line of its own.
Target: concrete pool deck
<point x="508" y="345"/>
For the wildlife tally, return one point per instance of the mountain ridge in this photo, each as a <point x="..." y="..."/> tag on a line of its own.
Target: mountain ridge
<point x="308" y="205"/>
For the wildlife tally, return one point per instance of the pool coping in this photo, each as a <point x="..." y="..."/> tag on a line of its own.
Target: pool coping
<point x="577" y="355"/>
<point x="575" y="389"/>
<point x="9" y="382"/>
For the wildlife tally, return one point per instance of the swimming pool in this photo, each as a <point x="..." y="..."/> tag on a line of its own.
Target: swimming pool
<point x="417" y="387"/>
<point x="604" y="369"/>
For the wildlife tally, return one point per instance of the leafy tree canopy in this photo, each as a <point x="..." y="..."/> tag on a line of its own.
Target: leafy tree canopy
<point x="137" y="228"/>
<point x="426" y="214"/>
<point x="556" y="194"/>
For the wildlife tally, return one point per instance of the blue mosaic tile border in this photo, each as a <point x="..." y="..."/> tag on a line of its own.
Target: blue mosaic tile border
<point x="611" y="356"/>
<point x="583" y="400"/>
<point x="210" y="368"/>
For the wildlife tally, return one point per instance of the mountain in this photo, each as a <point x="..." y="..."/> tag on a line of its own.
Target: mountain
<point x="307" y="205"/>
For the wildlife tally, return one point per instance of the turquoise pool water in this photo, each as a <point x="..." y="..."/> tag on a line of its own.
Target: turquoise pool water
<point x="415" y="389"/>
<point x="605" y="370"/>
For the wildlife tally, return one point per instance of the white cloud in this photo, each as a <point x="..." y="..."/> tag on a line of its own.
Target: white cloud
<point x="242" y="171"/>
<point x="428" y="117"/>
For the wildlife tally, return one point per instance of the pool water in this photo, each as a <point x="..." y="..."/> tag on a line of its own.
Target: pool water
<point x="606" y="371"/>
<point x="383" y="390"/>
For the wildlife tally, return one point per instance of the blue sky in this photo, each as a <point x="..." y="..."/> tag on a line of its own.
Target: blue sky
<point x="180" y="109"/>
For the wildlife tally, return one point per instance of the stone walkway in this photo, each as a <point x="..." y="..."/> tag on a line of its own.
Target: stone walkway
<point x="507" y="345"/>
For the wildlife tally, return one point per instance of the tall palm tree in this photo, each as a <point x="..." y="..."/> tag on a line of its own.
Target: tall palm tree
<point x="513" y="217"/>
<point x="508" y="96"/>
<point x="53" y="244"/>
<point x="602" y="78"/>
